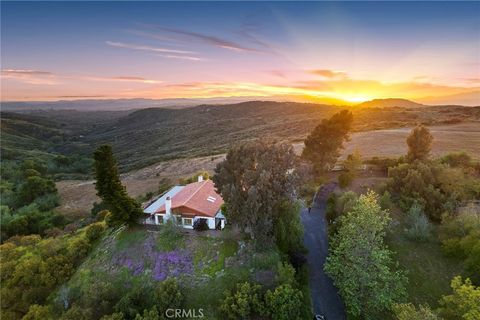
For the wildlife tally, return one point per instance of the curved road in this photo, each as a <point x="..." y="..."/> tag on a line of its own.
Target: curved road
<point x="325" y="298"/>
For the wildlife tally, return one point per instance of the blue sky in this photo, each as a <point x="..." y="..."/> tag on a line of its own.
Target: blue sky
<point x="361" y="50"/>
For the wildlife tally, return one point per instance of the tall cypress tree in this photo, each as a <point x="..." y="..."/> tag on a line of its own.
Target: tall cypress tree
<point x="110" y="189"/>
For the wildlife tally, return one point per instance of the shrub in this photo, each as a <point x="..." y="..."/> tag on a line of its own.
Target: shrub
<point x="285" y="303"/>
<point x="37" y="312"/>
<point x="167" y="295"/>
<point x="98" y="207"/>
<point x="345" y="179"/>
<point x="286" y="274"/>
<point x="102" y="215"/>
<point x="407" y="311"/>
<point x="94" y="231"/>
<point x="386" y="200"/>
<point x="460" y="236"/>
<point x="346" y="202"/>
<point x="457" y="159"/>
<point x="243" y="303"/>
<point x="134" y="301"/>
<point x="419" y="227"/>
<point x="463" y="303"/>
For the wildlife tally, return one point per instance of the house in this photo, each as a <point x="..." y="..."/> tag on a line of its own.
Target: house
<point x="188" y="205"/>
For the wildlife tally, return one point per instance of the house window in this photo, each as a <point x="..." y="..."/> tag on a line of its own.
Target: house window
<point x="187" y="221"/>
<point x="160" y="219"/>
<point x="179" y="220"/>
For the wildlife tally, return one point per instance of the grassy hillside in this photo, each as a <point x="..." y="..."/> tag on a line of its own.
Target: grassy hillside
<point x="151" y="135"/>
<point x="148" y="136"/>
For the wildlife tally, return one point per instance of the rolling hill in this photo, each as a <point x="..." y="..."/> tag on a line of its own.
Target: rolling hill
<point x="147" y="136"/>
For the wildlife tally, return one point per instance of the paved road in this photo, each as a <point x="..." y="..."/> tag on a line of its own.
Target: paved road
<point x="325" y="297"/>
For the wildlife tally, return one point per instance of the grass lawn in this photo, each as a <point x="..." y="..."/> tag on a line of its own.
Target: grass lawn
<point x="429" y="270"/>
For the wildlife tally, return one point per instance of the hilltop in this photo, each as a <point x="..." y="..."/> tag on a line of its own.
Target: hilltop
<point x="389" y="103"/>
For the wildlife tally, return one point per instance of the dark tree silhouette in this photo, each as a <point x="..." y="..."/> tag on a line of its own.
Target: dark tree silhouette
<point x="109" y="187"/>
<point x="323" y="145"/>
<point x="419" y="144"/>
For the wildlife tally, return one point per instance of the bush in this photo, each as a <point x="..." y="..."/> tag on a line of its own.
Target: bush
<point x="419" y="227"/>
<point x="386" y="200"/>
<point x="134" y="301"/>
<point x="37" y="312"/>
<point x="463" y="303"/>
<point x="460" y="236"/>
<point x="345" y="179"/>
<point x="167" y="295"/>
<point x="286" y="274"/>
<point x="102" y="215"/>
<point x="243" y="303"/>
<point x="94" y="231"/>
<point x="285" y="303"/>
<point x="407" y="311"/>
<point x="457" y="159"/>
<point x="346" y="202"/>
<point x="98" y="207"/>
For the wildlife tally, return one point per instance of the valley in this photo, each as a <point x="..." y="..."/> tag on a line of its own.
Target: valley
<point x="78" y="196"/>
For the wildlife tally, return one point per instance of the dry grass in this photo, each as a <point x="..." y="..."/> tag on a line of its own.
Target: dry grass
<point x="391" y="142"/>
<point x="77" y="197"/>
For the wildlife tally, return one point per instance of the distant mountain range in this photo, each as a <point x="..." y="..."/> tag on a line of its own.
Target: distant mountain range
<point x="180" y="103"/>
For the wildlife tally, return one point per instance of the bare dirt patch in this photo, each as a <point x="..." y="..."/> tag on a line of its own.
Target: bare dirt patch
<point x="78" y="196"/>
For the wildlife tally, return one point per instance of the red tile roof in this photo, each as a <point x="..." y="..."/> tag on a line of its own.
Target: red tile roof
<point x="200" y="197"/>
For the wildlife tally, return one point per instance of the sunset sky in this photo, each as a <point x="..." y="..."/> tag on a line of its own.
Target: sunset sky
<point x="328" y="52"/>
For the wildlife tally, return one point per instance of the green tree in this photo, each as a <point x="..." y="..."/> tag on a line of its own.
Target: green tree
<point x="361" y="265"/>
<point x="37" y="312"/>
<point x="419" y="144"/>
<point x="253" y="180"/>
<point x="407" y="311"/>
<point x="110" y="189"/>
<point x="288" y="229"/>
<point x="323" y="145"/>
<point x="243" y="303"/>
<point x="34" y="187"/>
<point x="463" y="303"/>
<point x="284" y="303"/>
<point x="167" y="295"/>
<point x="114" y="316"/>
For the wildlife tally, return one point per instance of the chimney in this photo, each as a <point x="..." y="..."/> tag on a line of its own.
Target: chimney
<point x="200" y="178"/>
<point x="168" y="207"/>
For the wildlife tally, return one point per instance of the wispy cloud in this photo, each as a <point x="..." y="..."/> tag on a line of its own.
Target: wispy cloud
<point x="40" y="77"/>
<point x="30" y="76"/>
<point x="206" y="39"/>
<point x="146" y="48"/>
<point x="329" y="74"/>
<point x="160" y="52"/>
